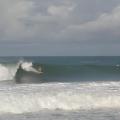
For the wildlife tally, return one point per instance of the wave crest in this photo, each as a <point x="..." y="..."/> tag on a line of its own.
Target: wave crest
<point x="9" y="71"/>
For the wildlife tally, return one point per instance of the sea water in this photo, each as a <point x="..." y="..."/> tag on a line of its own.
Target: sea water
<point x="60" y="88"/>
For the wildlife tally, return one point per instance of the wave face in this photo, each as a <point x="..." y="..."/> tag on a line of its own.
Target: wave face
<point x="24" y="98"/>
<point x="82" y="71"/>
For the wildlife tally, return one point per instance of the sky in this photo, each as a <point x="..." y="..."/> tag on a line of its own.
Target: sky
<point x="59" y="27"/>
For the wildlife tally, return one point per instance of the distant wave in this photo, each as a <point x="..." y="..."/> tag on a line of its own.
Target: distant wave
<point x="9" y="71"/>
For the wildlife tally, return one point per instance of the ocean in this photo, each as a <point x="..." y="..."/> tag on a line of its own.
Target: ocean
<point x="60" y="88"/>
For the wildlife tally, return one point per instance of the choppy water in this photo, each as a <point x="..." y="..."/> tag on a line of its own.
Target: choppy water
<point x="60" y="88"/>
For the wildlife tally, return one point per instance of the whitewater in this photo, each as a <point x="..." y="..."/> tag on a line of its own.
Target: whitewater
<point x="64" y="88"/>
<point x="47" y="99"/>
<point x="33" y="98"/>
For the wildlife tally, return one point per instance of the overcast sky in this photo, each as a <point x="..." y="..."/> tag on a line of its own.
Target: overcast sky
<point x="59" y="27"/>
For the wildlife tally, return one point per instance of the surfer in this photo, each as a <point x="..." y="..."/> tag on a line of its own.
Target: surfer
<point x="18" y="73"/>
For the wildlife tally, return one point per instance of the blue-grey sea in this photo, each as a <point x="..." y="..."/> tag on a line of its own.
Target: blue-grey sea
<point x="60" y="88"/>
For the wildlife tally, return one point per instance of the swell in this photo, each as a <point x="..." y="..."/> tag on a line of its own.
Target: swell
<point x="82" y="72"/>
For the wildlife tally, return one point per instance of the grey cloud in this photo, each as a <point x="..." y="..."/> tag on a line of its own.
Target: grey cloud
<point x="105" y="28"/>
<point x="69" y="25"/>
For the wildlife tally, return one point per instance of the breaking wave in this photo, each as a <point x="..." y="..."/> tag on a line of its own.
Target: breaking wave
<point x="10" y="71"/>
<point x="25" y="71"/>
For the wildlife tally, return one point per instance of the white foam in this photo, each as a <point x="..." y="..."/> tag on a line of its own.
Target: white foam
<point x="7" y="72"/>
<point x="33" y="98"/>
